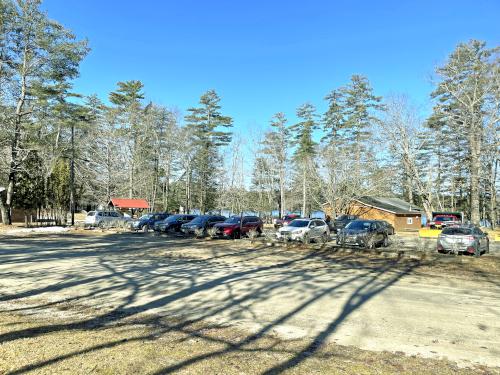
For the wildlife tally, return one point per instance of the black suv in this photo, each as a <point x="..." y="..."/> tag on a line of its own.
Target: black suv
<point x="364" y="233"/>
<point x="200" y="224"/>
<point x="173" y="223"/>
<point x="341" y="221"/>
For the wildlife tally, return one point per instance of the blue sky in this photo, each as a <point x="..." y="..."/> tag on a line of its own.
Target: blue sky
<point x="268" y="56"/>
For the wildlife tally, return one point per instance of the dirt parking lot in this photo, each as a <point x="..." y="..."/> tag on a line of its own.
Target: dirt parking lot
<point x="125" y="303"/>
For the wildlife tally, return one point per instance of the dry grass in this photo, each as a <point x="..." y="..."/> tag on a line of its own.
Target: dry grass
<point x="143" y="347"/>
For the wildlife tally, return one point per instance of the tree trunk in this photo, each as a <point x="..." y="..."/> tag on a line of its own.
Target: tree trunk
<point x="131" y="181"/>
<point x="3" y="210"/>
<point x="14" y="154"/>
<point x="493" y="195"/>
<point x="304" y="189"/>
<point x="475" y="149"/>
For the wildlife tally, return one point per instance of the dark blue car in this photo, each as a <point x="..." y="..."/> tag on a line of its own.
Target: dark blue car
<point x="147" y="221"/>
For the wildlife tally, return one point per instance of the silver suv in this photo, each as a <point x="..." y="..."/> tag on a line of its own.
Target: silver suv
<point x="104" y="218"/>
<point x="305" y="230"/>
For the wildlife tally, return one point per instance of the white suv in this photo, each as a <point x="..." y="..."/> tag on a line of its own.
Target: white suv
<point x="103" y="219"/>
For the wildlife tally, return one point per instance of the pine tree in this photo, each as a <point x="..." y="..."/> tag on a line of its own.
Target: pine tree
<point x="462" y="94"/>
<point x="359" y="106"/>
<point x="276" y="146"/>
<point x="127" y="99"/>
<point x="206" y="125"/>
<point x="39" y="58"/>
<point x="306" y="149"/>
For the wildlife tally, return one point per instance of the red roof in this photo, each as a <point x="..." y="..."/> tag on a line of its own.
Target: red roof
<point x="129" y="203"/>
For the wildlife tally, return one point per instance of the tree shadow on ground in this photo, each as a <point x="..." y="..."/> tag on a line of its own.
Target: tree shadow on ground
<point x="185" y="288"/>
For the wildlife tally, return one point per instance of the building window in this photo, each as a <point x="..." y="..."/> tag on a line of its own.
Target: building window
<point x="409" y="220"/>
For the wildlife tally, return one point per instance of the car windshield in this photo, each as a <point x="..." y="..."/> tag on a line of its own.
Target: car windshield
<point x="233" y="220"/>
<point x="299" y="223"/>
<point x="199" y="220"/>
<point x="359" y="225"/>
<point x="91" y="213"/>
<point x="290" y="217"/>
<point x="342" y="217"/>
<point x="445" y="218"/>
<point x="145" y="217"/>
<point x="172" y="218"/>
<point x="457" y="231"/>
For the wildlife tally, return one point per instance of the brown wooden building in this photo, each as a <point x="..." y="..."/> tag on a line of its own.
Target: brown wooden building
<point x="402" y="215"/>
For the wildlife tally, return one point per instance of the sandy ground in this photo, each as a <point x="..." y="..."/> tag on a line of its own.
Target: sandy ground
<point x="445" y="308"/>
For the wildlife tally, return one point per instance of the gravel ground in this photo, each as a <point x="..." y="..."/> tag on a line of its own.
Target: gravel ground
<point x="122" y="303"/>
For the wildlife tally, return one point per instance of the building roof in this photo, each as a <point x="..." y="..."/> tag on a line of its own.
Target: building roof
<point x="128" y="203"/>
<point x="394" y="205"/>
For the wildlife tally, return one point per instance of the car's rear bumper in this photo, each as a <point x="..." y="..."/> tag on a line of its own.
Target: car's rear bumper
<point x="456" y="249"/>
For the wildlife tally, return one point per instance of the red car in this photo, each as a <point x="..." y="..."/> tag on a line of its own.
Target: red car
<point x="232" y="228"/>
<point x="442" y="221"/>
<point x="287" y="219"/>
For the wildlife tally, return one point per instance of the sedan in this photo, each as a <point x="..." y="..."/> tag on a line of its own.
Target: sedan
<point x="463" y="239"/>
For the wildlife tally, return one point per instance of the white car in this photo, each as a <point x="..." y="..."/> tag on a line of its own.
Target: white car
<point x="305" y="230"/>
<point x="103" y="218"/>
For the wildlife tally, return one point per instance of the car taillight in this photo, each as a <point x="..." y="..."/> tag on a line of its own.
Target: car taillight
<point x="470" y="249"/>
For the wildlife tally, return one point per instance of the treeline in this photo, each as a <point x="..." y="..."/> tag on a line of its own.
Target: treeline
<point x="61" y="150"/>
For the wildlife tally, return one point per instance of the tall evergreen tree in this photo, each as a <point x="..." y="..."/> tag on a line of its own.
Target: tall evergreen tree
<point x="462" y="94"/>
<point x="127" y="99"/>
<point x="276" y="145"/>
<point x="306" y="149"/>
<point x="359" y="106"/>
<point x="206" y="125"/>
<point x="39" y="57"/>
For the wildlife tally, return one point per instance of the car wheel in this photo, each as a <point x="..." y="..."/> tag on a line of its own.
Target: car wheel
<point x="386" y="241"/>
<point x="488" y="247"/>
<point x="324" y="238"/>
<point x="369" y="244"/>
<point x="236" y="235"/>
<point x="306" y="239"/>
<point x="101" y="225"/>
<point x="145" y="228"/>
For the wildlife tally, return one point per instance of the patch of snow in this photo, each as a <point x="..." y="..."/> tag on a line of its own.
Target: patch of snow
<point x="38" y="230"/>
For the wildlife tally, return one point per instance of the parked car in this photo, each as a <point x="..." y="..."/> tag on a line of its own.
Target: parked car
<point x="388" y="227"/>
<point x="285" y="220"/>
<point x="201" y="224"/>
<point x="463" y="239"/>
<point x="173" y="223"/>
<point x="103" y="218"/>
<point x="305" y="230"/>
<point x="341" y="221"/>
<point x="364" y="233"/>
<point x="232" y="228"/>
<point x="442" y="220"/>
<point x="147" y="221"/>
